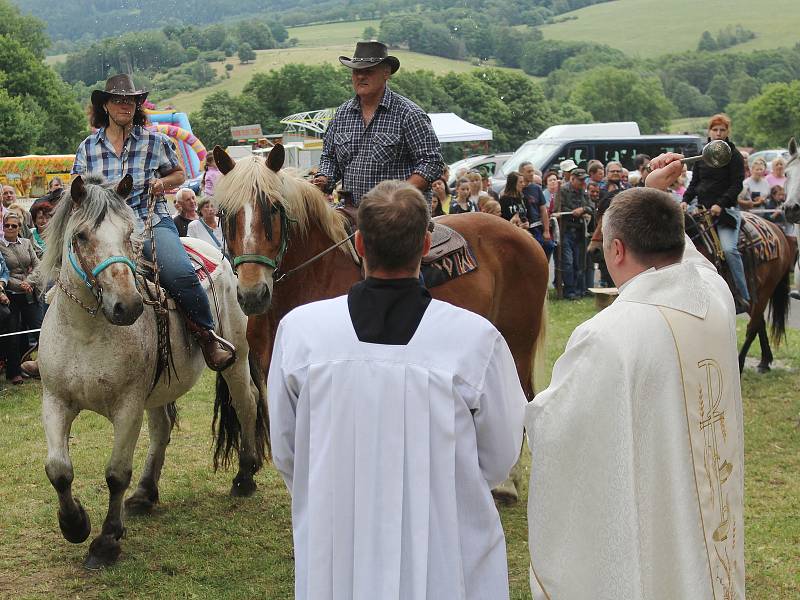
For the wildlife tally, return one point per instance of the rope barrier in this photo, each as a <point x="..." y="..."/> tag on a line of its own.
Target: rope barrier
<point x="2" y="335"/>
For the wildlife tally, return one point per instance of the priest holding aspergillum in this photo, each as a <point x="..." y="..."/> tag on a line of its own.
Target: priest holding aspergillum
<point x="636" y="489"/>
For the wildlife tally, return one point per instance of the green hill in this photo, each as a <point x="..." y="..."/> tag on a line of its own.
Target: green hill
<point x="317" y="44"/>
<point x="652" y="27"/>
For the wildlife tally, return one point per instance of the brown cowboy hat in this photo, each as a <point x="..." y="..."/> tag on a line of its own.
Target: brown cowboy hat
<point x="369" y="54"/>
<point x="118" y="85"/>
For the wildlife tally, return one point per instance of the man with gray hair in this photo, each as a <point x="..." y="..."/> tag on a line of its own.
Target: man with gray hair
<point x="379" y="134"/>
<point x="637" y="484"/>
<point x="392" y="415"/>
<point x="186" y="205"/>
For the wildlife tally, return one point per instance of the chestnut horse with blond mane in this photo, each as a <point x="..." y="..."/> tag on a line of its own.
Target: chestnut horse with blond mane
<point x="275" y="222"/>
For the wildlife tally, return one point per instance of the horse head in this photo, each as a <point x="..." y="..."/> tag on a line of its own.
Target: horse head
<point x="90" y="250"/>
<point x="791" y="206"/>
<point x="255" y="223"/>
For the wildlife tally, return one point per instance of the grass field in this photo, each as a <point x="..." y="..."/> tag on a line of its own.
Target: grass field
<point x="318" y="44"/>
<point x="201" y="543"/>
<point x="651" y="27"/>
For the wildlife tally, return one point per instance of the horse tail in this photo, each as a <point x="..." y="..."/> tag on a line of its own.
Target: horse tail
<point x="226" y="427"/>
<point x="172" y="415"/>
<point x="779" y="309"/>
<point x="539" y="367"/>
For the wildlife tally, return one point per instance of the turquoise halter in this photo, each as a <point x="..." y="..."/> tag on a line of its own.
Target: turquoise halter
<point x="99" y="268"/>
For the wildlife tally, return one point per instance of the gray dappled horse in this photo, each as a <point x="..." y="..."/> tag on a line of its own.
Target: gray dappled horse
<point x="98" y="352"/>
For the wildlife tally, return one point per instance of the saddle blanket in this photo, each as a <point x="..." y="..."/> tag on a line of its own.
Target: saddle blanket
<point x="756" y="236"/>
<point x="450" y="256"/>
<point x="205" y="257"/>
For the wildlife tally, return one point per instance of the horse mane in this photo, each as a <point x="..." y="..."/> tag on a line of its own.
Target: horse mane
<point x="100" y="201"/>
<point x="303" y="202"/>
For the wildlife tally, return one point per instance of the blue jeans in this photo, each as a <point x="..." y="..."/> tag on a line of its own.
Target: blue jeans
<point x="573" y="258"/>
<point x="177" y="274"/>
<point x="547" y="245"/>
<point x="729" y="239"/>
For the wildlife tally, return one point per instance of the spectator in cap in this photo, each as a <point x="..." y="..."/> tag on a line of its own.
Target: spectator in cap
<point x="573" y="233"/>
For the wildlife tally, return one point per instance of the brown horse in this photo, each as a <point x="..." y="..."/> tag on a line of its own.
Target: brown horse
<point x="768" y="286"/>
<point x="275" y="222"/>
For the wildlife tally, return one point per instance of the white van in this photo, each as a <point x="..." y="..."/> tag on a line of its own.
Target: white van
<point x="584" y="142"/>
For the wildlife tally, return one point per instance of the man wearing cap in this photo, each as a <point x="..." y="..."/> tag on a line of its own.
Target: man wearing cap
<point x="377" y="135"/>
<point x="573" y="254"/>
<point x="122" y="146"/>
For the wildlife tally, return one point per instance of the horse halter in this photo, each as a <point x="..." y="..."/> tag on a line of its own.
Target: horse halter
<point x="89" y="276"/>
<point x="272" y="263"/>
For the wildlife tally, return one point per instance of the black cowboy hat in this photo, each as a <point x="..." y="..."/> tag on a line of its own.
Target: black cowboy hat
<point x="369" y="54"/>
<point x="118" y="85"/>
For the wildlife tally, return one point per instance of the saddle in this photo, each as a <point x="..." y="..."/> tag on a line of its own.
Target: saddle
<point x="450" y="255"/>
<point x="756" y="237"/>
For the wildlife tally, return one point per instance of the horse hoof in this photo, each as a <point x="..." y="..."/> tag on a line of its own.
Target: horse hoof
<point x="75" y="527"/>
<point x="243" y="488"/>
<point x="505" y="494"/>
<point x="763" y="369"/>
<point x="140" y="506"/>
<point x="103" y="552"/>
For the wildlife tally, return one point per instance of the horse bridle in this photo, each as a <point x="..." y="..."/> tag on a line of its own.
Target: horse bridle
<point x="89" y="276"/>
<point x="275" y="264"/>
<point x="272" y="263"/>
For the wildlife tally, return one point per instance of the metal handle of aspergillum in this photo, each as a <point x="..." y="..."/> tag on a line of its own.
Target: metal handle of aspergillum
<point x="716" y="153"/>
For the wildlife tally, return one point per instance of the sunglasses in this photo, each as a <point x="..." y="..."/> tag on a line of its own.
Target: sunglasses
<point x="122" y="100"/>
<point x="10" y="226"/>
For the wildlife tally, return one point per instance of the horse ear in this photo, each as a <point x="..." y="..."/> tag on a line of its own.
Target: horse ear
<point x="276" y="157"/>
<point x="125" y="186"/>
<point x="224" y="162"/>
<point x="792" y="147"/>
<point x="77" y="190"/>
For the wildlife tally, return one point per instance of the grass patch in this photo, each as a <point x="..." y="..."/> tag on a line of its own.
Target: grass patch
<point x="203" y="544"/>
<point x="650" y="28"/>
<point x="269" y="60"/>
<point x="332" y="34"/>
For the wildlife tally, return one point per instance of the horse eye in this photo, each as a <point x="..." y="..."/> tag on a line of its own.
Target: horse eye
<point x="82" y="237"/>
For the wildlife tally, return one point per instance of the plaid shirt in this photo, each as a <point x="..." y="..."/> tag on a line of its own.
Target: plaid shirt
<point x="398" y="142"/>
<point x="146" y="155"/>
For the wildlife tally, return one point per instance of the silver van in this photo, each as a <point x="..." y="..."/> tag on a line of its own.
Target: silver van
<point x="602" y="141"/>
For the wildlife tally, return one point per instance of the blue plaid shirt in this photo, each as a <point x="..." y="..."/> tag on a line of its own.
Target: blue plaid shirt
<point x="398" y="142"/>
<point x="146" y="155"/>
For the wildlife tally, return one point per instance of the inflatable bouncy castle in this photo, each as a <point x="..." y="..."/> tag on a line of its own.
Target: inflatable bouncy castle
<point x="175" y="125"/>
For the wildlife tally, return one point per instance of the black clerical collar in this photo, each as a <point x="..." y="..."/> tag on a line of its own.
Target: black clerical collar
<point x="387" y="311"/>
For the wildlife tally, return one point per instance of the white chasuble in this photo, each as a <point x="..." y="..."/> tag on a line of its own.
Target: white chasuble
<point x="636" y="488"/>
<point x="390" y="453"/>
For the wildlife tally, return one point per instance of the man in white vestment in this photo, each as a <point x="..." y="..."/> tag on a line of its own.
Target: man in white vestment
<point x="392" y="415"/>
<point x="637" y="484"/>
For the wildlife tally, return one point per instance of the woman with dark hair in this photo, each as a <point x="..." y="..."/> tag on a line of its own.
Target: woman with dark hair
<point x="40" y="213"/>
<point x="440" y="199"/>
<point x="512" y="203"/>
<point x="210" y="176"/>
<point x="123" y="146"/>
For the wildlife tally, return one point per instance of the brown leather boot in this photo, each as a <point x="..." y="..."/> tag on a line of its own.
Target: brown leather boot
<point x="219" y="353"/>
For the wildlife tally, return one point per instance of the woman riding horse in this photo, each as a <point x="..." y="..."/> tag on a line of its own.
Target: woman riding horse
<point x="123" y="146"/>
<point x="717" y="189"/>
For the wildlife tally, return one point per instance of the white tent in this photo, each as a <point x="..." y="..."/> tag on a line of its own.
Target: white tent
<point x="449" y="127"/>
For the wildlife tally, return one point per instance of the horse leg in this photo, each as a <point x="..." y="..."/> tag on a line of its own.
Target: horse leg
<point x="57" y="420"/>
<point x="105" y="548"/>
<point x="766" y="351"/>
<point x="750" y="335"/>
<point x="159" y="426"/>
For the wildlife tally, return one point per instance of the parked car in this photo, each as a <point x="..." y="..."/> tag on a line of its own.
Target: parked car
<point x="490" y="162"/>
<point x="770" y="155"/>
<point x="602" y="141"/>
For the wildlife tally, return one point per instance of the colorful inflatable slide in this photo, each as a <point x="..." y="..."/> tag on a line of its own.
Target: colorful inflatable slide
<point x="175" y="125"/>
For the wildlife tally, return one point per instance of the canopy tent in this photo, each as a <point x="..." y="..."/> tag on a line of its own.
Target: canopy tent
<point x="449" y="127"/>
